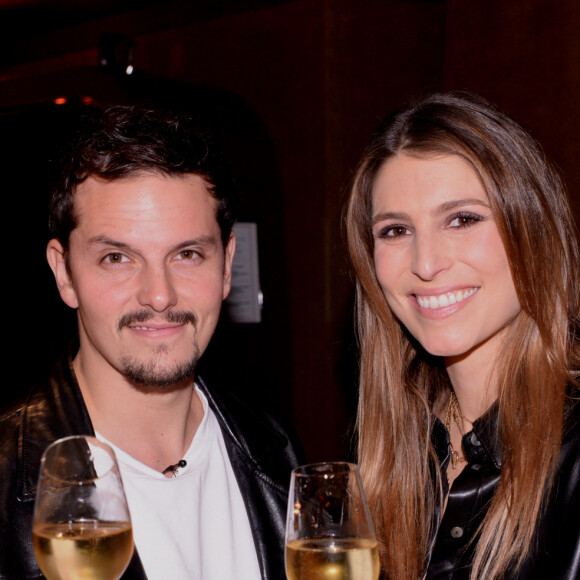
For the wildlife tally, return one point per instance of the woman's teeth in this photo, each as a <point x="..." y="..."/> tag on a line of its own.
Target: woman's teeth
<point x="445" y="299"/>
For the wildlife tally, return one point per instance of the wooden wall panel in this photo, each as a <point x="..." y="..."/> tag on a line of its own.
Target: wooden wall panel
<point x="525" y="57"/>
<point x="307" y="81"/>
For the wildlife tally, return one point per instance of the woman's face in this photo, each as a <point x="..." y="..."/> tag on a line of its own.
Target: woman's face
<point x="438" y="254"/>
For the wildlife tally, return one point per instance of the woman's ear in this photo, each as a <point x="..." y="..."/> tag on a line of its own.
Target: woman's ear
<point x="55" y="254"/>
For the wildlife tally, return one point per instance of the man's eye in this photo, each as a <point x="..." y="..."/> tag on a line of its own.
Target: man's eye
<point x="114" y="258"/>
<point x="188" y="254"/>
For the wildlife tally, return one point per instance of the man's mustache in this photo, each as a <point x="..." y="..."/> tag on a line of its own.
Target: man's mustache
<point x="173" y="317"/>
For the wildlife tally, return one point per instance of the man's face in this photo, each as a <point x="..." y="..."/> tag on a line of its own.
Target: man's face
<point x="148" y="273"/>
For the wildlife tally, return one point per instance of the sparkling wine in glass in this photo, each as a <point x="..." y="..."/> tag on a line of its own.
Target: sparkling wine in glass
<point x="81" y="528"/>
<point x="329" y="532"/>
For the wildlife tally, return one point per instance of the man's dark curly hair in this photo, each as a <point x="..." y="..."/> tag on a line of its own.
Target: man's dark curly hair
<point x="125" y="141"/>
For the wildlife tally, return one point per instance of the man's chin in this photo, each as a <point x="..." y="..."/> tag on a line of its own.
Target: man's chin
<point x="157" y="377"/>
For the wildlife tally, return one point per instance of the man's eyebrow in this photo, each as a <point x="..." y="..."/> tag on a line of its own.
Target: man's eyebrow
<point x="441" y="208"/>
<point x="201" y="241"/>
<point x="106" y="241"/>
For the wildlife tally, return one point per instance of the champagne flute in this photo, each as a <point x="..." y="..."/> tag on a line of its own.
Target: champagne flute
<point x="329" y="532"/>
<point x="81" y="528"/>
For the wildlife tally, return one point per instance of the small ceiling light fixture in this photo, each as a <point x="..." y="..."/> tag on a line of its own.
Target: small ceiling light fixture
<point x="116" y="53"/>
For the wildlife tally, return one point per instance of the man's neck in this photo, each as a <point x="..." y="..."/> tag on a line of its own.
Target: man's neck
<point x="155" y="426"/>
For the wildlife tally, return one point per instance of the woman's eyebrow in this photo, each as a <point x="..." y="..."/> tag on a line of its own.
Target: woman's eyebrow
<point x="441" y="208"/>
<point x="389" y="215"/>
<point x="454" y="204"/>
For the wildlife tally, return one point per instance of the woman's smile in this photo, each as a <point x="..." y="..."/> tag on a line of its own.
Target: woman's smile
<point x="433" y="302"/>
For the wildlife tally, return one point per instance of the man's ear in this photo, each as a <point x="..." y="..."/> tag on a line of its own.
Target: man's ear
<point x="230" y="250"/>
<point x="55" y="254"/>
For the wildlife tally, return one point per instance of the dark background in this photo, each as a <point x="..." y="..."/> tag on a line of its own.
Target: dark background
<point x="294" y="90"/>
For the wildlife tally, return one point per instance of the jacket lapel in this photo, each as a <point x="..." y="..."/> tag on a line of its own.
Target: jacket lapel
<point x="262" y="458"/>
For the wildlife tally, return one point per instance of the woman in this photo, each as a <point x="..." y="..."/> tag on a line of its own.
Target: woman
<point x="466" y="259"/>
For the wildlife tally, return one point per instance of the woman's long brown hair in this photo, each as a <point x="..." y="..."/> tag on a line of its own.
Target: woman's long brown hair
<point x="399" y="383"/>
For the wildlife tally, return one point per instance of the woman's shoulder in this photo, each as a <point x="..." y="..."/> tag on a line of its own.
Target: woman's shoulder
<point x="572" y="413"/>
<point x="570" y="450"/>
<point x="557" y="545"/>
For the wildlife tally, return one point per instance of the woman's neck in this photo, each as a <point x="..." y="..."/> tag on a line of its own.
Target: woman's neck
<point x="473" y="380"/>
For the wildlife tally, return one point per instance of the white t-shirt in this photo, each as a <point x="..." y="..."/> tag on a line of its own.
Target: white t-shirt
<point x="193" y="526"/>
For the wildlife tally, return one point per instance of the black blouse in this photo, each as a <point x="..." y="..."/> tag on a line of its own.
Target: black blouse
<point x="555" y="554"/>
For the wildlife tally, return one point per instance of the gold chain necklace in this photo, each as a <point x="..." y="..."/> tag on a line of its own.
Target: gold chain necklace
<point x="454" y="411"/>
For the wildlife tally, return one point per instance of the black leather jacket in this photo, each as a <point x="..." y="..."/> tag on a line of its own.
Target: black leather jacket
<point x="555" y="553"/>
<point x="261" y="453"/>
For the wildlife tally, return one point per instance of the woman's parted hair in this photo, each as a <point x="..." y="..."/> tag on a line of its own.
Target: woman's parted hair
<point x="399" y="382"/>
<point x="125" y="141"/>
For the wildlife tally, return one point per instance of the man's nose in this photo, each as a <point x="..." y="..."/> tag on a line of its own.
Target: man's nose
<point x="157" y="290"/>
<point x="431" y="256"/>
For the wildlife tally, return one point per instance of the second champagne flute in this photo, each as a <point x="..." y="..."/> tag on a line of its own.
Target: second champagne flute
<point x="329" y="532"/>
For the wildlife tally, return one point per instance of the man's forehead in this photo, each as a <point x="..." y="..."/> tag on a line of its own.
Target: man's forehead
<point x="145" y="201"/>
<point x="192" y="189"/>
<point x="93" y="181"/>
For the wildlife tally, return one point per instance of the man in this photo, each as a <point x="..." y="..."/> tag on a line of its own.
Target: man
<point x="142" y="220"/>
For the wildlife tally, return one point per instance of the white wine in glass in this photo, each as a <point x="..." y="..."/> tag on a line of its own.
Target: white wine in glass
<point x="329" y="532"/>
<point x="81" y="528"/>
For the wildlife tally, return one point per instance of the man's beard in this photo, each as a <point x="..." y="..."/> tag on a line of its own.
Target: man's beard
<point x="156" y="372"/>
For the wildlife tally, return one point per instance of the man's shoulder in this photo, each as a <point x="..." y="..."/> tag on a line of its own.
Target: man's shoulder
<point x="34" y="399"/>
<point x="11" y="414"/>
<point x="14" y="415"/>
<point x="261" y="431"/>
<point x="11" y="422"/>
<point x="52" y="408"/>
<point x="250" y="411"/>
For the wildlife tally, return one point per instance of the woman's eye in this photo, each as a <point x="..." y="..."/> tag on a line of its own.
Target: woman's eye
<point x="393" y="232"/>
<point x="464" y="220"/>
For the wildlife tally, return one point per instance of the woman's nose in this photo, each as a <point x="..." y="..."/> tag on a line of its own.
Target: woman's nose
<point x="430" y="256"/>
